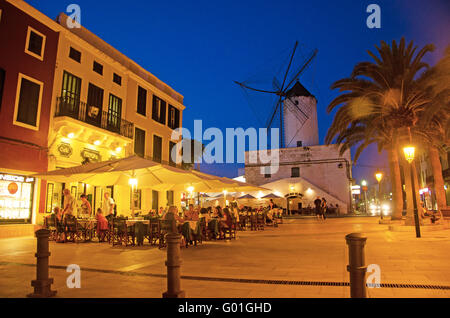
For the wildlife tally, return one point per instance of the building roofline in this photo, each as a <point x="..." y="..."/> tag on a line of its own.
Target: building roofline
<point x="99" y="44"/>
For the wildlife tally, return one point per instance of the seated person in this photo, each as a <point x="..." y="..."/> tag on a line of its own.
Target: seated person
<point x="434" y="216"/>
<point x="204" y="214"/>
<point x="213" y="223"/>
<point x="102" y="225"/>
<point x="226" y="221"/>
<point x="191" y="214"/>
<point x="59" y="220"/>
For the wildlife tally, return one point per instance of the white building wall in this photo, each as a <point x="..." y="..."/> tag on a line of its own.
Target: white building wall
<point x="300" y="121"/>
<point x="316" y="171"/>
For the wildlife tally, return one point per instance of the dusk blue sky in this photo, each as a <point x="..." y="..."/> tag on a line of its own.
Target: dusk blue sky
<point x="200" y="47"/>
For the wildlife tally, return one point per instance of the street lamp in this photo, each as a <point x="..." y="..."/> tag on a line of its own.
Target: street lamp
<point x="409" y="156"/>
<point x="379" y="176"/>
<point x="364" y="189"/>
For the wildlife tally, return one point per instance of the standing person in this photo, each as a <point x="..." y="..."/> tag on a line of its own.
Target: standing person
<point x="85" y="205"/>
<point x="324" y="208"/>
<point x="108" y="206"/>
<point x="317" y="203"/>
<point x="70" y="204"/>
<point x="233" y="203"/>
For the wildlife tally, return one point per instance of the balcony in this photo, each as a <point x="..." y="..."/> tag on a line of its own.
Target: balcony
<point x="70" y="107"/>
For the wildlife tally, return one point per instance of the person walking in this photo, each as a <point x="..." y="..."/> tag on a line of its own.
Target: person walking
<point x="317" y="204"/>
<point x="324" y="208"/>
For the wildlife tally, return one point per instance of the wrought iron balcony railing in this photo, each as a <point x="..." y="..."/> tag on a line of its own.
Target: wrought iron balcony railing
<point x="76" y="109"/>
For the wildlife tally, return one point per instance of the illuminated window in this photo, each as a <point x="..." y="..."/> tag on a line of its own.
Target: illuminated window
<point x="16" y="198"/>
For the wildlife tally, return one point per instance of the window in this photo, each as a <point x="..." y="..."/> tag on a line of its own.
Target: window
<point x="142" y="101"/>
<point x="139" y="142"/>
<point x="299" y="143"/>
<point x="157" y="148"/>
<point x="267" y="172"/>
<point x="295" y="172"/>
<point x="159" y="110"/>
<point x="35" y="44"/>
<point x="117" y="79"/>
<point x="28" y="102"/>
<point x="49" y="203"/>
<point x="75" y="55"/>
<point x="174" y="117"/>
<point x="172" y="160"/>
<point x="2" y="82"/>
<point x="155" y="200"/>
<point x="169" y="195"/>
<point x="136" y="199"/>
<point x="98" y="68"/>
<point x="94" y="105"/>
<point x="114" y="113"/>
<point x="70" y="96"/>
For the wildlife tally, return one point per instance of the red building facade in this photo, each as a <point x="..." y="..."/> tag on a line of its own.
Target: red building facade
<point x="27" y="65"/>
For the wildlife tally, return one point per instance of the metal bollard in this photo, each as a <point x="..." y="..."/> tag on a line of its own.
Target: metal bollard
<point x="173" y="264"/>
<point x="42" y="284"/>
<point x="356" y="267"/>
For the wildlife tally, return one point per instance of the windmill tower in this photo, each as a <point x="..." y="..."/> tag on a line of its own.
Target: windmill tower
<point x="300" y="118"/>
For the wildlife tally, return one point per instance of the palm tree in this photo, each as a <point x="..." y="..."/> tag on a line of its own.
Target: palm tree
<point x="432" y="129"/>
<point x="381" y="98"/>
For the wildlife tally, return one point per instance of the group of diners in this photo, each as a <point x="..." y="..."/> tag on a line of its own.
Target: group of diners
<point x="194" y="223"/>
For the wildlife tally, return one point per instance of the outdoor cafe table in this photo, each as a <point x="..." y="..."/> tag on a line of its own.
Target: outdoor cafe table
<point x="88" y="227"/>
<point x="131" y="222"/>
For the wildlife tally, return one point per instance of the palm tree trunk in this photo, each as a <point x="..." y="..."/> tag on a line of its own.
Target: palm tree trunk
<point x="438" y="179"/>
<point x="397" y="192"/>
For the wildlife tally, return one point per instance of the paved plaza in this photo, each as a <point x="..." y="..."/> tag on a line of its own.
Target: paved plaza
<point x="276" y="262"/>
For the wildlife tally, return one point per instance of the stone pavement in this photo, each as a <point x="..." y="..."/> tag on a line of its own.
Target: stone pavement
<point x="297" y="252"/>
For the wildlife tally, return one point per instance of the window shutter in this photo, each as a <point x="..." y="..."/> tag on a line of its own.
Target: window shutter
<point x="177" y="118"/>
<point x="28" y="102"/>
<point x="162" y="118"/>
<point x="142" y="101"/>
<point x="155" y="108"/>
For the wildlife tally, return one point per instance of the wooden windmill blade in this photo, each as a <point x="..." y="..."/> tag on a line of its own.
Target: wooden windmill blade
<point x="281" y="90"/>
<point x="301" y="69"/>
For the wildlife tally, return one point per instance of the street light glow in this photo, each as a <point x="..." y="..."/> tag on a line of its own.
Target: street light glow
<point x="379" y="176"/>
<point x="409" y="153"/>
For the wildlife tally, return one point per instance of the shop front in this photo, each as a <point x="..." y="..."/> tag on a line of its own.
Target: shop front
<point x="16" y="198"/>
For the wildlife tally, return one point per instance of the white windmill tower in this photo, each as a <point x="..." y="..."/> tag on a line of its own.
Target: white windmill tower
<point x="300" y="118"/>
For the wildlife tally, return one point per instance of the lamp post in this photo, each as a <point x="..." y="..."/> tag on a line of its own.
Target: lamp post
<point x="409" y="156"/>
<point x="133" y="183"/>
<point x="364" y="188"/>
<point x="379" y="176"/>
